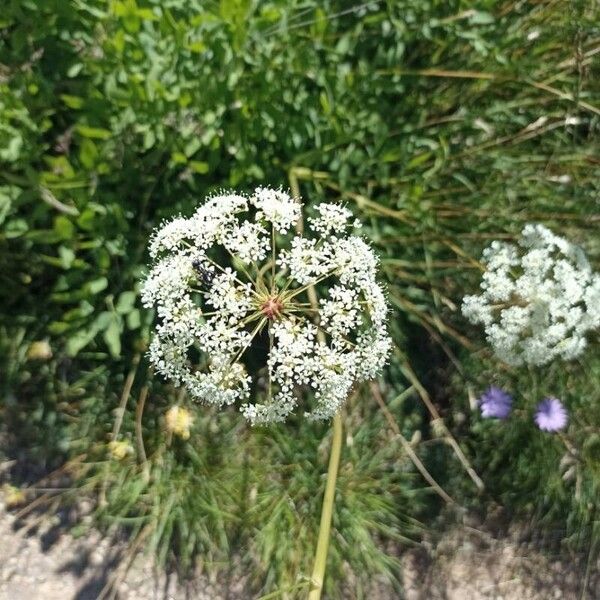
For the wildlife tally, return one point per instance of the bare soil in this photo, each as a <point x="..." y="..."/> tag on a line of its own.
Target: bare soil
<point x="466" y="564"/>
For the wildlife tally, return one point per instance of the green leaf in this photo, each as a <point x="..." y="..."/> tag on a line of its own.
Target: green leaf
<point x="87" y="219"/>
<point x="134" y="319"/>
<point x="81" y="338"/>
<point x="197" y="46"/>
<point x="58" y="327"/>
<point x="325" y="104"/>
<point x="15" y="228"/>
<point x="74" y="102"/>
<point x="199" y="167"/>
<point x="74" y="70"/>
<point x="112" y="336"/>
<point x="125" y="302"/>
<point x="481" y="18"/>
<point x="97" y="285"/>
<point x="146" y="14"/>
<point x="61" y="168"/>
<point x="179" y="158"/>
<point x="192" y="146"/>
<point x="88" y="153"/>
<point x="393" y="155"/>
<point x="8" y="194"/>
<point x="419" y="159"/>
<point x="67" y="256"/>
<point x="118" y="41"/>
<point x="132" y="23"/>
<point x="93" y="132"/>
<point x="64" y="227"/>
<point x="319" y="26"/>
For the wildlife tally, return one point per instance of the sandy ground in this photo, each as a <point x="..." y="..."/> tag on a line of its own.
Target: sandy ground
<point x="471" y="564"/>
<point x="466" y="564"/>
<point x="42" y="565"/>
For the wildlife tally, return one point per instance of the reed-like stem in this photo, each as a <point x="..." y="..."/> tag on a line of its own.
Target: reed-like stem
<point x="318" y="574"/>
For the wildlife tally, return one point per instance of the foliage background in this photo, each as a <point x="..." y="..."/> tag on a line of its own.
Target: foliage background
<point x="443" y="124"/>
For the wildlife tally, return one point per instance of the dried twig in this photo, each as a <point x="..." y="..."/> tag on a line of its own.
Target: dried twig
<point x="124" y="397"/>
<point x="139" y="411"/>
<point x="406" y="445"/>
<point x="440" y="425"/>
<point x="49" y="198"/>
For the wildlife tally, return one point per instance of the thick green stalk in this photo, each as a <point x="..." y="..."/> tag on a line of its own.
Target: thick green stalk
<point x="320" y="563"/>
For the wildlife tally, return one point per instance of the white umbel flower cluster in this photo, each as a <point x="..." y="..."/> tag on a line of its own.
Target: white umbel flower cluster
<point x="539" y="298"/>
<point x="253" y="313"/>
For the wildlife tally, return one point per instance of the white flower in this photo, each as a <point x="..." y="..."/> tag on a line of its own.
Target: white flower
<point x="169" y="236"/>
<point x="539" y="298"/>
<point x="235" y="314"/>
<point x="333" y="217"/>
<point x="249" y="241"/>
<point x="342" y="313"/>
<point x="277" y="207"/>
<point x="307" y="259"/>
<point x="225" y="292"/>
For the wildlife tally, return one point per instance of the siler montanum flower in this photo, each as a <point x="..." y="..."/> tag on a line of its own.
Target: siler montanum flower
<point x="551" y="415"/>
<point x="539" y="298"/>
<point x="234" y="289"/>
<point x="495" y="403"/>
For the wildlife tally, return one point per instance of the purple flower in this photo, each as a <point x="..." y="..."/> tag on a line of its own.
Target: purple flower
<point x="495" y="403"/>
<point x="551" y="415"/>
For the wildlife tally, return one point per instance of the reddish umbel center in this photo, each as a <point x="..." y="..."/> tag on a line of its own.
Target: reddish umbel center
<point x="272" y="308"/>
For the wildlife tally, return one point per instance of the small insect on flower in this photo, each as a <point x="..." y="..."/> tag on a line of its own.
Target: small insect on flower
<point x="205" y="276"/>
<point x="539" y="298"/>
<point x="495" y="403"/>
<point x="551" y="415"/>
<point x="252" y="312"/>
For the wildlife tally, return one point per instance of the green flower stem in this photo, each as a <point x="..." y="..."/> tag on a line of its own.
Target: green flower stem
<point x="320" y="563"/>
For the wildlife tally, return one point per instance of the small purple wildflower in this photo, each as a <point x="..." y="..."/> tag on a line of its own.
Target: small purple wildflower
<point x="495" y="403"/>
<point x="551" y="415"/>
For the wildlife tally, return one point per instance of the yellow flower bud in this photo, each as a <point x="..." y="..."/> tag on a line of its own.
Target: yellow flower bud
<point x="39" y="350"/>
<point x="13" y="496"/>
<point x="120" y="449"/>
<point x="179" y="421"/>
